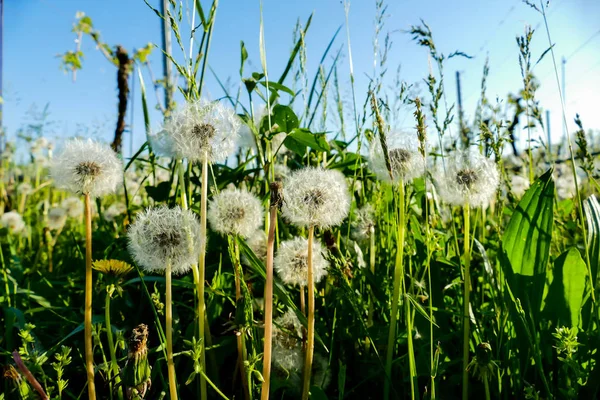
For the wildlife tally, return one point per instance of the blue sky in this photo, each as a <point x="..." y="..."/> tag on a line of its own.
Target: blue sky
<point x="36" y="31"/>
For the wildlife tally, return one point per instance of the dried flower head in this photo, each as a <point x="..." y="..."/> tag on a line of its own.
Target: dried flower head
<point x="13" y="221"/>
<point x="57" y="217"/>
<point x="86" y="166"/>
<point x="291" y="262"/>
<point x="161" y="235"/>
<point x="73" y="206"/>
<point x="316" y="197"/>
<point x="406" y="162"/>
<point x="199" y="130"/>
<point x="469" y="178"/>
<point x="136" y="374"/>
<point x="235" y="212"/>
<point x="363" y="225"/>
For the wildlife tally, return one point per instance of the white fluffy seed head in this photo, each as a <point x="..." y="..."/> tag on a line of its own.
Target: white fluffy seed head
<point x="13" y="221"/>
<point x="74" y="206"/>
<point x="57" y="217"/>
<point x="470" y="178"/>
<point x="291" y="262"/>
<point x="315" y="197"/>
<point x="199" y="130"/>
<point x="405" y="160"/>
<point x="257" y="242"/>
<point x="161" y="235"/>
<point x="363" y="225"/>
<point x="86" y="166"/>
<point x="114" y="211"/>
<point x="287" y="345"/>
<point x="235" y="212"/>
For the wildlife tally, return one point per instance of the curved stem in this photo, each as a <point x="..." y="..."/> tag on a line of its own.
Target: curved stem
<point x="398" y="277"/>
<point x="169" y="323"/>
<point x="310" y="337"/>
<point x="111" y="346"/>
<point x="269" y="306"/>
<point x="467" y="290"/>
<point x="87" y="321"/>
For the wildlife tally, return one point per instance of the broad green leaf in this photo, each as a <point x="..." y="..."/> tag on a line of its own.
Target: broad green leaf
<point x="526" y="243"/>
<point x="299" y="139"/>
<point x="274" y="86"/>
<point x="283" y="119"/>
<point x="591" y="208"/>
<point x="565" y="296"/>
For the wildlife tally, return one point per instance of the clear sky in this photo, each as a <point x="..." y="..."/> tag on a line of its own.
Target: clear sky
<point x="36" y="31"/>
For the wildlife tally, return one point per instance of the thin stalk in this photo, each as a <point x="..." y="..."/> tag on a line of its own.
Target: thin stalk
<point x="87" y="321"/>
<point x="169" y="323"/>
<point x="466" y="318"/>
<point x="430" y="301"/>
<point x="111" y="344"/>
<point x="486" y="385"/>
<point x="241" y="345"/>
<point x="198" y="282"/>
<point x="204" y="328"/>
<point x="269" y="293"/>
<point x="398" y="277"/>
<point x="371" y="292"/>
<point x="411" y="350"/>
<point x="310" y="339"/>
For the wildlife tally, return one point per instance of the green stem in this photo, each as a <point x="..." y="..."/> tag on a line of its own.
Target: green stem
<point x="486" y="384"/>
<point x="398" y="277"/>
<point x="111" y="345"/>
<point x="371" y="292"/>
<point x="467" y="291"/>
<point x="310" y="337"/>
<point x="169" y="324"/>
<point x="87" y="322"/>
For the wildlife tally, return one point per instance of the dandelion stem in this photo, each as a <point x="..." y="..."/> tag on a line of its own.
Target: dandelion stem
<point x="467" y="290"/>
<point x="87" y="322"/>
<point x="310" y="339"/>
<point x="202" y="273"/>
<point x="169" y="323"/>
<point x="486" y="384"/>
<point x="111" y="344"/>
<point x="269" y="293"/>
<point x="241" y="346"/>
<point x="398" y="277"/>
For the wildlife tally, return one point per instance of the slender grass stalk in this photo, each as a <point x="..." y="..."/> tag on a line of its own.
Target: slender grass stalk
<point x="275" y="187"/>
<point x="169" y="333"/>
<point x="241" y="345"/>
<point x="199" y="284"/>
<point x="87" y="322"/>
<point x="203" y="328"/>
<point x="467" y="290"/>
<point x="371" y="292"/>
<point x="398" y="277"/>
<point x="310" y="337"/>
<point x="486" y="385"/>
<point x="114" y="366"/>
<point x="411" y="350"/>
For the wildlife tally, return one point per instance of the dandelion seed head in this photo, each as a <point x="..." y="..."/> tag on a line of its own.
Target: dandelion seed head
<point x="86" y="166"/>
<point x="320" y="376"/>
<point x="114" y="211"/>
<point x="13" y="221"/>
<point x="73" y="206"/>
<point x="57" y="217"/>
<point x="236" y="212"/>
<point x="519" y="185"/>
<point x="199" y="130"/>
<point x="405" y="160"/>
<point x="160" y="235"/>
<point x="25" y="189"/>
<point x="291" y="262"/>
<point x="287" y="345"/>
<point x="257" y="242"/>
<point x="469" y="178"/>
<point x="363" y="225"/>
<point x="316" y="197"/>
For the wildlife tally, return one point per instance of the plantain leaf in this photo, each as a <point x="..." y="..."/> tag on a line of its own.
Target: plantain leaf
<point x="591" y="209"/>
<point x="526" y="243"/>
<point x="565" y="295"/>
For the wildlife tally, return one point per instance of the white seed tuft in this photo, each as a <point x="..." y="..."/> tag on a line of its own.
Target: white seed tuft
<point x="405" y="160"/>
<point x="74" y="206"/>
<point x="316" y="197"/>
<point x="86" y="166"/>
<point x="291" y="262"/>
<point x="13" y="221"/>
<point x="235" y="212"/>
<point x="470" y="178"/>
<point x="161" y="235"/>
<point x="57" y="216"/>
<point x="199" y="130"/>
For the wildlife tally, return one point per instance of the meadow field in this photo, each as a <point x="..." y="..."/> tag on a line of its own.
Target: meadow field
<point x="287" y="240"/>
